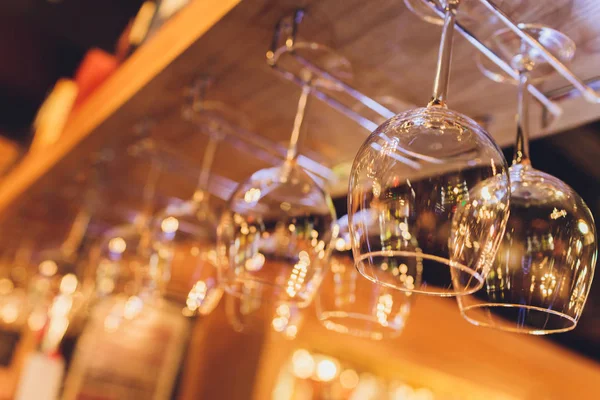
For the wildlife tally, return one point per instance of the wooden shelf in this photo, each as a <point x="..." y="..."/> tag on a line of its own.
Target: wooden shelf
<point x="144" y="65"/>
<point x="227" y="39"/>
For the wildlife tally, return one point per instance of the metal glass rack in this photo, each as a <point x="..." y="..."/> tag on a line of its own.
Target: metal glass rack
<point x="285" y="42"/>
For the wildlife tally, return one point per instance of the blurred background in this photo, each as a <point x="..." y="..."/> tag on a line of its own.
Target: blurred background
<point x="77" y="58"/>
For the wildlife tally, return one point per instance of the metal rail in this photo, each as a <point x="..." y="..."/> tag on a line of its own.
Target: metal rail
<point x="552" y="107"/>
<point x="586" y="91"/>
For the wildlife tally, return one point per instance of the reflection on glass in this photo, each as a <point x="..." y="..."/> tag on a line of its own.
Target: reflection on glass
<point x="122" y="256"/>
<point x="184" y="239"/>
<point x="14" y="280"/>
<point x="413" y="175"/>
<point x="542" y="272"/>
<point x="253" y="311"/>
<point x="277" y="230"/>
<point x="541" y="275"/>
<point x="349" y="303"/>
<point x="56" y="290"/>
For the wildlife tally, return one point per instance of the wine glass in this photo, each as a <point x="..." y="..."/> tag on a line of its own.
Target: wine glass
<point x="348" y="303"/>
<point x="277" y="229"/>
<point x="15" y="263"/>
<point x="252" y="311"/>
<point x="414" y="175"/>
<point x="539" y="281"/>
<point x="185" y="234"/>
<point x="58" y="290"/>
<point x="124" y="270"/>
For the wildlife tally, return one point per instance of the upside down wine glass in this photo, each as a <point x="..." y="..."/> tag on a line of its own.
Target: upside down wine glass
<point x="184" y="237"/>
<point x="249" y="313"/>
<point x="276" y="231"/>
<point x="122" y="256"/>
<point x="350" y="304"/>
<point x="58" y="291"/>
<point x="543" y="271"/>
<point x="437" y="185"/>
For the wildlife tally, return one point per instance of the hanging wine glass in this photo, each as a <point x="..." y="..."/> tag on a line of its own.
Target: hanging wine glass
<point x="14" y="279"/>
<point x="542" y="273"/>
<point x="249" y="312"/>
<point x="348" y="303"/>
<point x="277" y="229"/>
<point x="122" y="256"/>
<point x="58" y="291"/>
<point x="415" y="174"/>
<point x="185" y="234"/>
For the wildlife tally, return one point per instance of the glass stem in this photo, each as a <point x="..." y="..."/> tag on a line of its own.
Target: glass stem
<point x="76" y="234"/>
<point x="148" y="280"/>
<point x="148" y="194"/>
<point x="75" y="238"/>
<point x="521" y="155"/>
<point x="440" y="85"/>
<point x="207" y="162"/>
<point x="292" y="152"/>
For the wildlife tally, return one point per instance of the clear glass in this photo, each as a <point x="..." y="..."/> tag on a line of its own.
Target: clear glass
<point x="127" y="278"/>
<point x="348" y="303"/>
<point x="543" y="271"/>
<point x="253" y="311"/>
<point x="122" y="260"/>
<point x="184" y="246"/>
<point x="540" y="278"/>
<point x="421" y="177"/>
<point x="506" y="44"/>
<point x="57" y="290"/>
<point x="277" y="232"/>
<point x="417" y="175"/>
<point x="14" y="281"/>
<point x="277" y="229"/>
<point x="122" y="255"/>
<point x="184" y="236"/>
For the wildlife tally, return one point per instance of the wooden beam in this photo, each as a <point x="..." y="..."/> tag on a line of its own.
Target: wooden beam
<point x="144" y="65"/>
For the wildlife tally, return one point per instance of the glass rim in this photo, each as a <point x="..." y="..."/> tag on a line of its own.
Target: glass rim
<point x="466" y="310"/>
<point x="269" y="298"/>
<point x="437" y="293"/>
<point x="379" y="331"/>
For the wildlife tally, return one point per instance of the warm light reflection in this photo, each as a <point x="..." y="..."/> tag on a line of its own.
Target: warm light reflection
<point x="384" y="308"/>
<point x="48" y="268"/>
<point x="6" y="286"/>
<point x="326" y="370"/>
<point x="37" y="320"/>
<point x="340" y="244"/>
<point x="61" y="306"/>
<point x="10" y="313"/>
<point x="556" y="214"/>
<point x="133" y="307"/>
<point x="485" y="193"/>
<point x="583" y="227"/>
<point x="255" y="263"/>
<point x="117" y="245"/>
<point x="311" y="375"/>
<point x="111" y="323"/>
<point x="196" y="295"/>
<point x="169" y="225"/>
<point x="349" y="379"/>
<point x="303" y="364"/>
<point x="252" y="195"/>
<point x="298" y="275"/>
<point x="68" y="284"/>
